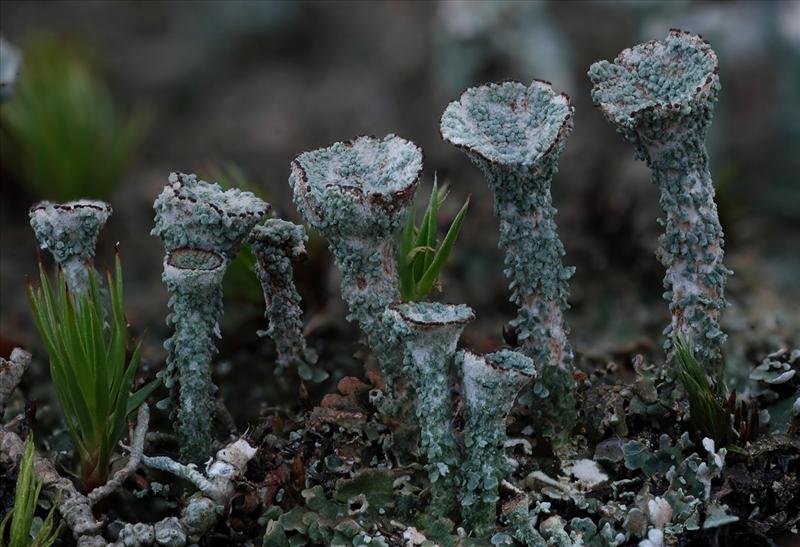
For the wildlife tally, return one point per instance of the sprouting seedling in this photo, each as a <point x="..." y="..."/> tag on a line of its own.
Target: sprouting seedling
<point x="89" y="366"/>
<point x="26" y="498"/>
<point x="714" y="413"/>
<point x="419" y="262"/>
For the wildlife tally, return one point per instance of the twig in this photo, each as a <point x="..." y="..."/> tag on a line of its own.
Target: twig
<point x="137" y="448"/>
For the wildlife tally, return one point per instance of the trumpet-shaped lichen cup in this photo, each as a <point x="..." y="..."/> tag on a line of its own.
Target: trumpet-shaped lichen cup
<point x="203" y="227"/>
<point x="491" y="385"/>
<point x="429" y="333"/>
<point x="69" y="231"/>
<point x="515" y="134"/>
<point x="356" y="194"/>
<point x="276" y="244"/>
<point x="660" y="96"/>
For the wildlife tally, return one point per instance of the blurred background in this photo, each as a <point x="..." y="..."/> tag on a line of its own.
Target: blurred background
<point x="114" y="95"/>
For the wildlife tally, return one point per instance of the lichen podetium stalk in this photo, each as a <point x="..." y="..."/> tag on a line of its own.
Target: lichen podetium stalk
<point x="356" y="194"/>
<point x="275" y="244"/>
<point x="69" y="231"/>
<point x="491" y="384"/>
<point x="429" y="333"/>
<point x="203" y="228"/>
<point x="514" y="134"/>
<point x="660" y="96"/>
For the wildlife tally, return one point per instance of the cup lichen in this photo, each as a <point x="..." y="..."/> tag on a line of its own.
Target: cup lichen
<point x="429" y="333"/>
<point x="660" y="96"/>
<point x="275" y="244"/>
<point x="69" y="231"/>
<point x="491" y="385"/>
<point x="515" y="134"/>
<point x="356" y="194"/>
<point x="203" y="227"/>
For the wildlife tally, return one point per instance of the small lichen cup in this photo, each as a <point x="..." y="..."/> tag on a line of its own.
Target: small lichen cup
<point x="275" y="245"/>
<point x="428" y="333"/>
<point x="660" y="96"/>
<point x="491" y="385"/>
<point x="69" y="231"/>
<point x="203" y="227"/>
<point x="356" y="194"/>
<point x="515" y="134"/>
<point x="193" y="278"/>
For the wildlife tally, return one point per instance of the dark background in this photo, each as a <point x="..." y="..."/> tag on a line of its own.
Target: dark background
<point x="256" y="83"/>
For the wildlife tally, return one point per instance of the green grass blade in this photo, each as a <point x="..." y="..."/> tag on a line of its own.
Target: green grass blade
<point x="425" y="284"/>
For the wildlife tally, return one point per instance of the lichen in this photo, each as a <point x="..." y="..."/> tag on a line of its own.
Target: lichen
<point x="429" y="333"/>
<point x="69" y="231"/>
<point x="276" y="244"/>
<point x="660" y="96"/>
<point x="491" y="385"/>
<point x="10" y="60"/>
<point x="356" y="194"/>
<point x="202" y="228"/>
<point x="514" y="134"/>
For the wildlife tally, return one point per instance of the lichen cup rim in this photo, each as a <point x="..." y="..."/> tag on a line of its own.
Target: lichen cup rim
<point x="694" y="94"/>
<point x="552" y="139"/>
<point x="495" y="361"/>
<point x="71" y="206"/>
<point x="460" y="314"/>
<point x="216" y="259"/>
<point x="388" y="201"/>
<point x="182" y="196"/>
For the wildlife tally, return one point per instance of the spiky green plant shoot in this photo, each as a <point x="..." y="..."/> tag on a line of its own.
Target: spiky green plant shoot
<point x="419" y="261"/>
<point x="707" y="399"/>
<point x="89" y="366"/>
<point x="26" y="499"/>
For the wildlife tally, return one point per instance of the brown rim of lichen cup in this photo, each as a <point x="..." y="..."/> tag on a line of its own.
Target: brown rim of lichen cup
<point x="425" y="325"/>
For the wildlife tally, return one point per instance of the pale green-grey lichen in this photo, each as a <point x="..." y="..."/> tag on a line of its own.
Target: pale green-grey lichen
<point x="275" y="244"/>
<point x="660" y="96"/>
<point x="10" y="61"/>
<point x="356" y="194"/>
<point x="203" y="227"/>
<point x="69" y="231"/>
<point x="428" y="333"/>
<point x="491" y="385"/>
<point x="514" y="134"/>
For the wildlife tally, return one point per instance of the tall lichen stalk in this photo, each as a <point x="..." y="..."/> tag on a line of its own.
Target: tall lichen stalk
<point x="356" y="194"/>
<point x="660" y="95"/>
<point x="202" y="228"/>
<point x="275" y="244"/>
<point x="429" y="333"/>
<point x="515" y="135"/>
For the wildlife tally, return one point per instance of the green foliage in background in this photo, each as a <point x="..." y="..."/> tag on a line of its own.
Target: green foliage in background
<point x="26" y="498"/>
<point x="89" y="366"/>
<point x="419" y="262"/>
<point x="63" y="134"/>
